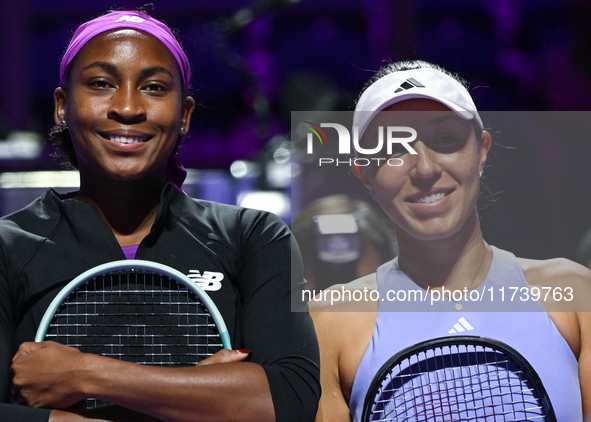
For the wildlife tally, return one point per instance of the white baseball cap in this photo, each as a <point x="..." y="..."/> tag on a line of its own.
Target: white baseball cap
<point x="426" y="83"/>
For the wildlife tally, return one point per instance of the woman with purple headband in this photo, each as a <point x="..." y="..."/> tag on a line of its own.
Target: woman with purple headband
<point x="430" y="196"/>
<point x="121" y="110"/>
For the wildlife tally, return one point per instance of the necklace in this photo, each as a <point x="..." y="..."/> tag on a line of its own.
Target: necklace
<point x="458" y="305"/>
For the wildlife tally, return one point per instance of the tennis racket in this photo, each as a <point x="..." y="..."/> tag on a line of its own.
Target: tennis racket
<point x="457" y="378"/>
<point x="137" y="311"/>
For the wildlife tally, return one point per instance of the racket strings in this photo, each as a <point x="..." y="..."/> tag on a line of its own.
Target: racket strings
<point x="140" y="317"/>
<point x="457" y="383"/>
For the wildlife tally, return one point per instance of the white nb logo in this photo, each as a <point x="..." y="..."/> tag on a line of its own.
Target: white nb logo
<point x="210" y="280"/>
<point x="128" y="18"/>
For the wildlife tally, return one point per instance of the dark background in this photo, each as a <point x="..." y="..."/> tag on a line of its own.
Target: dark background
<point x="317" y="54"/>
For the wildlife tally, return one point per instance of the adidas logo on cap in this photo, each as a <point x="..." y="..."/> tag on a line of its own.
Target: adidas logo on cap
<point x="461" y="326"/>
<point x="408" y="84"/>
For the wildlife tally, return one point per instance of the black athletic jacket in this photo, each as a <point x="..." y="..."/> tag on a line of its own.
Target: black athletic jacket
<point x="51" y="241"/>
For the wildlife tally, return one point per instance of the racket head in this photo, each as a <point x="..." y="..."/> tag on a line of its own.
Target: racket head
<point x="139" y="267"/>
<point x="457" y="378"/>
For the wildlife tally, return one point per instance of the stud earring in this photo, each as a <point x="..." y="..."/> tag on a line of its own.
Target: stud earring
<point x="183" y="129"/>
<point x="481" y="173"/>
<point x="63" y="123"/>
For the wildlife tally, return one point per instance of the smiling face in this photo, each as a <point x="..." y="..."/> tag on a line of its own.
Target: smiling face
<point x="432" y="194"/>
<point x="123" y="106"/>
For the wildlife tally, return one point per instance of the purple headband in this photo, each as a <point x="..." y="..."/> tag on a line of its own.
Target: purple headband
<point x="125" y="19"/>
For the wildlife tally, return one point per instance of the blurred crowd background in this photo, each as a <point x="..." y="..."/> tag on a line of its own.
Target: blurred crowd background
<point x="253" y="62"/>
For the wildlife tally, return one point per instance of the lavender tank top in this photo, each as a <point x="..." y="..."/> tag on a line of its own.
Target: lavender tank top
<point x="525" y="327"/>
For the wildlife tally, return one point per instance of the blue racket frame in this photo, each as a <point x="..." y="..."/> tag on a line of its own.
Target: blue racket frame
<point x="134" y="264"/>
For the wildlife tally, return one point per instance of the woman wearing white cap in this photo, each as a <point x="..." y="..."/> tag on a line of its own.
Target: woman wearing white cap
<point x="430" y="197"/>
